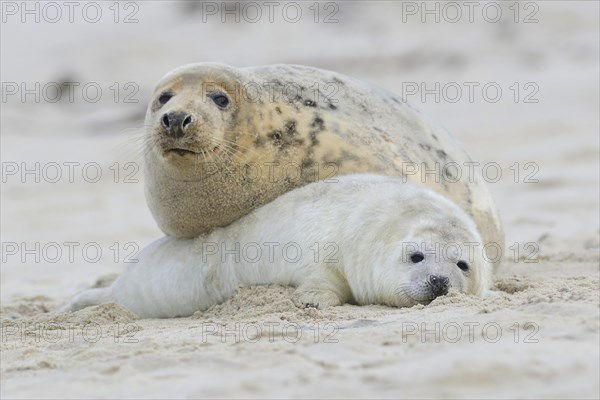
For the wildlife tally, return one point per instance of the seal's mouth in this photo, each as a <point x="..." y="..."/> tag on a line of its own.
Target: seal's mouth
<point x="421" y="294"/>
<point x="185" y="152"/>
<point x="181" y="152"/>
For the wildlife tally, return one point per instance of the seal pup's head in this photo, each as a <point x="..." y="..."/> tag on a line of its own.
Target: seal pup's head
<point x="431" y="261"/>
<point x="427" y="248"/>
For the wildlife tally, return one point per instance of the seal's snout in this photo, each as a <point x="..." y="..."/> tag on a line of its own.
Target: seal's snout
<point x="439" y="285"/>
<point x="175" y="123"/>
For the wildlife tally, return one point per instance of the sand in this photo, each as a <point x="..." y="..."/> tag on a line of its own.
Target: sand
<point x="538" y="337"/>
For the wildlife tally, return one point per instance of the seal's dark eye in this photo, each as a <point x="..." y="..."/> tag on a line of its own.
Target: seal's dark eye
<point x="417" y="257"/>
<point x="220" y="99"/>
<point x="463" y="265"/>
<point x="164" y="97"/>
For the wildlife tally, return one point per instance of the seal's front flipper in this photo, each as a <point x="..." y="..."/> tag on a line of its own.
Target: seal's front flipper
<point x="322" y="289"/>
<point x="90" y="297"/>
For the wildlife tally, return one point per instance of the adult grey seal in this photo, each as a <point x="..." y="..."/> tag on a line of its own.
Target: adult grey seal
<point x="222" y="141"/>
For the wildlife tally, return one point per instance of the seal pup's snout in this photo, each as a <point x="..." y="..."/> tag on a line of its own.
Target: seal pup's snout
<point x="439" y="285"/>
<point x="175" y="123"/>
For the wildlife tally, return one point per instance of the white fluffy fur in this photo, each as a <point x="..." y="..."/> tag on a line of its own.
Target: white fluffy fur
<point x="361" y="226"/>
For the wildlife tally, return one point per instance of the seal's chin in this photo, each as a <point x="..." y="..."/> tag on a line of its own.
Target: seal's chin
<point x="421" y="294"/>
<point x="423" y="299"/>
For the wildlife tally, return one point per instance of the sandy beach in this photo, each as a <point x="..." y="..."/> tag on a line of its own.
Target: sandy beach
<point x="73" y="211"/>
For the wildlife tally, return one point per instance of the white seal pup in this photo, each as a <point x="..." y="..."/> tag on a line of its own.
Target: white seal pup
<point x="221" y="141"/>
<point x="363" y="239"/>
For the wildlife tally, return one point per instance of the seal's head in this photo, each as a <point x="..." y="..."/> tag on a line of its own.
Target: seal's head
<point x="429" y="248"/>
<point x="191" y="111"/>
<point x="219" y="141"/>
<point x="198" y="127"/>
<point x="442" y="254"/>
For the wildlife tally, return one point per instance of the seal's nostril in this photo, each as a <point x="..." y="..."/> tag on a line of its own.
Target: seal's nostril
<point x="187" y="121"/>
<point x="165" y="120"/>
<point x="439" y="284"/>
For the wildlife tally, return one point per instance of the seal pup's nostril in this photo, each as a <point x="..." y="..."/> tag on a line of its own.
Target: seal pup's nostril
<point x="439" y="284"/>
<point x="187" y="121"/>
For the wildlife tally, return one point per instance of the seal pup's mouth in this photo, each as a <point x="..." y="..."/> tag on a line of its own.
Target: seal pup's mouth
<point x="423" y="294"/>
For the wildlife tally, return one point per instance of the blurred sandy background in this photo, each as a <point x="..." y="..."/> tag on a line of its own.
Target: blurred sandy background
<point x="553" y="61"/>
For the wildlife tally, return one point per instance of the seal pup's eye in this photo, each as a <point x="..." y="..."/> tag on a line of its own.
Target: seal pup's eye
<point x="463" y="265"/>
<point x="220" y="99"/>
<point x="164" y="97"/>
<point x="417" y="257"/>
